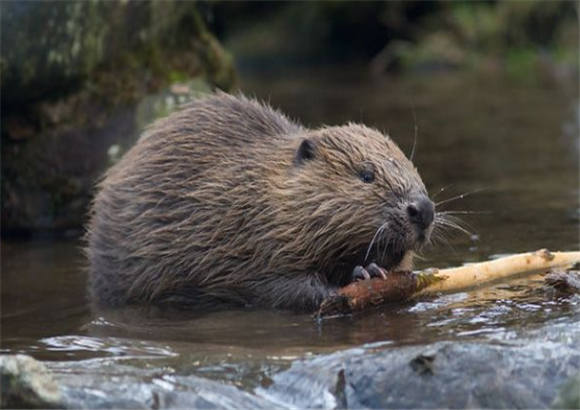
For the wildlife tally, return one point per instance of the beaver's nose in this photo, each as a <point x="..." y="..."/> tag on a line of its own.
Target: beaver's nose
<point x="421" y="212"/>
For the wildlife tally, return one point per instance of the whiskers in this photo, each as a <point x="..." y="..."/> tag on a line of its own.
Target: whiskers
<point x="446" y="221"/>
<point x="375" y="237"/>
<point x="447" y="226"/>
<point x="455" y="198"/>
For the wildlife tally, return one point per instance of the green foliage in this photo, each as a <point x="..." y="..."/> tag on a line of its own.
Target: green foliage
<point x="518" y="36"/>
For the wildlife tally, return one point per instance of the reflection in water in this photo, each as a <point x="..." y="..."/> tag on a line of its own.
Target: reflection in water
<point x="104" y="345"/>
<point x="512" y="140"/>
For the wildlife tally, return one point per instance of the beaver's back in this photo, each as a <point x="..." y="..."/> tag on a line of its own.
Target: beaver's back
<point x="155" y="219"/>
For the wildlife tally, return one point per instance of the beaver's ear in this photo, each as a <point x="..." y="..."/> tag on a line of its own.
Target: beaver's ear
<point x="305" y="152"/>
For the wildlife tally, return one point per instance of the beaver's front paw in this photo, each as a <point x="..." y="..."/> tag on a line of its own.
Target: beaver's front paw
<point x="371" y="271"/>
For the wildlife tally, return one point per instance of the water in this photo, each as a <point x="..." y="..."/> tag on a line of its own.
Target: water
<point x="516" y="144"/>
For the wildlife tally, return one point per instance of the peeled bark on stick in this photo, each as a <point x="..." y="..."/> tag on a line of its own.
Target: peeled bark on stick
<point x="401" y="286"/>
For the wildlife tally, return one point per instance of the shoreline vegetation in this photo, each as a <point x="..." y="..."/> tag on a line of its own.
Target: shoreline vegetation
<point x="521" y="38"/>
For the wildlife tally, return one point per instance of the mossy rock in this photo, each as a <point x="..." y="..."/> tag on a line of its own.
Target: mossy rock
<point x="73" y="75"/>
<point x="50" y="49"/>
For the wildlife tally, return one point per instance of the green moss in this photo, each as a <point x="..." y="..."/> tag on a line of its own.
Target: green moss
<point x="72" y="69"/>
<point x="176" y="76"/>
<point x="517" y="33"/>
<point x="81" y="40"/>
<point x="521" y="63"/>
<point x="477" y="25"/>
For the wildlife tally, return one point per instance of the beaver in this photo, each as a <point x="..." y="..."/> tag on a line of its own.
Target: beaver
<point x="228" y="202"/>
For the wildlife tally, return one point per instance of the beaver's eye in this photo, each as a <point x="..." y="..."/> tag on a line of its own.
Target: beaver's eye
<point x="367" y="176"/>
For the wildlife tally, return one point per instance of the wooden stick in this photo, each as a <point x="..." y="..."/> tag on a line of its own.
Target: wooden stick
<point x="398" y="286"/>
<point x="482" y="273"/>
<point x="403" y="285"/>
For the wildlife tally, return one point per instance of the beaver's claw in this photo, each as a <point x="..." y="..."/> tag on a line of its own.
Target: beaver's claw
<point x="371" y="271"/>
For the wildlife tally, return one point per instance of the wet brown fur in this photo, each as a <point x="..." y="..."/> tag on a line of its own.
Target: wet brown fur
<point x="211" y="207"/>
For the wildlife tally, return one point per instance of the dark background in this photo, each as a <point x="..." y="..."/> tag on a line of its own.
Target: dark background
<point x="80" y="80"/>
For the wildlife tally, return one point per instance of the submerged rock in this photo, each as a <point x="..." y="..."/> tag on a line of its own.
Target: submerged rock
<point x="539" y="371"/>
<point x="26" y="383"/>
<point x="565" y="282"/>
<point x="162" y="392"/>
<point x="569" y="394"/>
<point x="443" y="375"/>
<point x="105" y="384"/>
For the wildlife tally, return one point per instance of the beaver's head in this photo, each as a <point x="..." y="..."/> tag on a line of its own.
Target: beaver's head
<point x="361" y="199"/>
